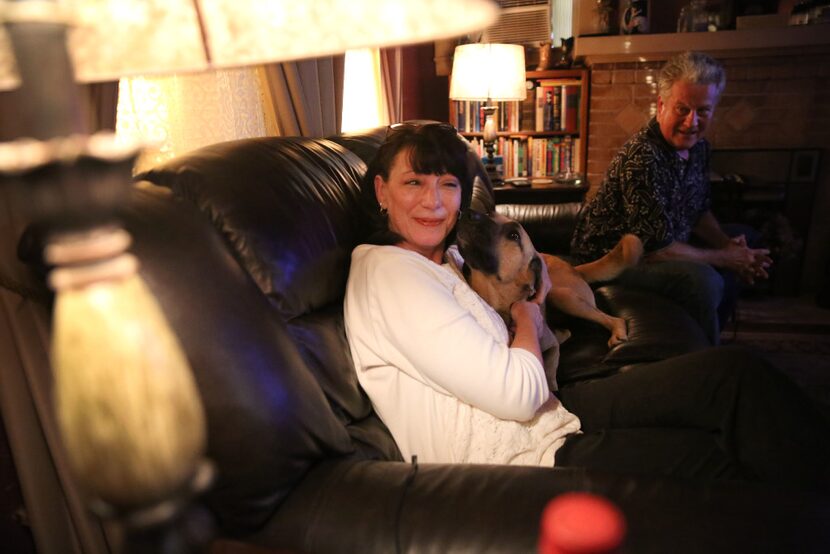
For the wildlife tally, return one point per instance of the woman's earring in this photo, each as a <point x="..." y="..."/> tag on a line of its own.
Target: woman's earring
<point x="383" y="210"/>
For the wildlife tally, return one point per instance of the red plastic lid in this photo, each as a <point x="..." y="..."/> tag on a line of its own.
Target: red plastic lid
<point x="581" y="523"/>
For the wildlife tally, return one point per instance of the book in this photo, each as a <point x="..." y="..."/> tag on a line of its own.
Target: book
<point x="570" y="108"/>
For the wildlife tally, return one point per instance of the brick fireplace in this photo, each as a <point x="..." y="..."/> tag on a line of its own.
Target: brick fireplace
<point x="770" y="102"/>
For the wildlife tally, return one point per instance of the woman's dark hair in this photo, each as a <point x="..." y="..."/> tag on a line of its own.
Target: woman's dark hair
<point x="434" y="149"/>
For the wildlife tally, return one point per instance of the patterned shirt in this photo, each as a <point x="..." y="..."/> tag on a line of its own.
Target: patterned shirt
<point x="649" y="191"/>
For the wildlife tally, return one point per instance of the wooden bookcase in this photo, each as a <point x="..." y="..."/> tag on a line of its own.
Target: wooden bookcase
<point x="523" y="135"/>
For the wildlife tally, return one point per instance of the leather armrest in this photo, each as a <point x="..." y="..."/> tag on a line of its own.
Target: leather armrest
<point x="658" y="328"/>
<point x="381" y="507"/>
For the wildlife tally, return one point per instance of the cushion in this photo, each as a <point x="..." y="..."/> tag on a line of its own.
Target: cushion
<point x="268" y="419"/>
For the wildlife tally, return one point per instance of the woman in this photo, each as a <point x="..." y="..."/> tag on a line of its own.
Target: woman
<point x="438" y="368"/>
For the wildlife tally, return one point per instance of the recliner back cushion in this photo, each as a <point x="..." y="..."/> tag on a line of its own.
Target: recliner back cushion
<point x="268" y="419"/>
<point x="287" y="207"/>
<point x="289" y="210"/>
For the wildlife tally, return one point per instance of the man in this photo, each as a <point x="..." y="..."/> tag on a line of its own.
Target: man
<point x="657" y="188"/>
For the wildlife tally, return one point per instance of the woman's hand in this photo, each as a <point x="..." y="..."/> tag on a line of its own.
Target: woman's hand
<point x="544" y="284"/>
<point x="528" y="324"/>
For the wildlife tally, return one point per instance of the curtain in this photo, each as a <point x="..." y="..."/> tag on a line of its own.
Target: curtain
<point x="101" y="100"/>
<point x="390" y="71"/>
<point x="179" y="113"/>
<point x="303" y="98"/>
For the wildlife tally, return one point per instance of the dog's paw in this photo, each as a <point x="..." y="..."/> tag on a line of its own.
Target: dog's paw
<point x="619" y="332"/>
<point x="562" y="335"/>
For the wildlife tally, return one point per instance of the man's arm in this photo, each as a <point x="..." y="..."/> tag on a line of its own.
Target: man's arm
<point x="709" y="230"/>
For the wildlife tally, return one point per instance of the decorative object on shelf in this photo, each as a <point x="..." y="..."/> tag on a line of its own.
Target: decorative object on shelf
<point x="564" y="54"/>
<point x="545" y="56"/>
<point x="808" y="13"/>
<point x="129" y="412"/>
<point x="634" y="18"/>
<point x="489" y="73"/>
<point x="693" y="18"/>
<point x="606" y="17"/>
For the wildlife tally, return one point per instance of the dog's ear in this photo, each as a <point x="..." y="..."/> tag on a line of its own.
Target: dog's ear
<point x="476" y="241"/>
<point x="480" y="259"/>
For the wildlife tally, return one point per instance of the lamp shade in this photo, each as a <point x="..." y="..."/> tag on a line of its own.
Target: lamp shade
<point x="488" y="72"/>
<point x="9" y="78"/>
<point x="156" y="36"/>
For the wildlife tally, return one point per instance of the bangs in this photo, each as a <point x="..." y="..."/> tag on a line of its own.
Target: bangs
<point x="435" y="157"/>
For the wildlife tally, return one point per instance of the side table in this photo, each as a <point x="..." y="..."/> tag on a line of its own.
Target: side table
<point x="553" y="193"/>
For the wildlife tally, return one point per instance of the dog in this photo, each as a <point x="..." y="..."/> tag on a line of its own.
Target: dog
<point x="503" y="267"/>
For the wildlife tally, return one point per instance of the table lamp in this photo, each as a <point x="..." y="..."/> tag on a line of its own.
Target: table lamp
<point x="127" y="406"/>
<point x="489" y="73"/>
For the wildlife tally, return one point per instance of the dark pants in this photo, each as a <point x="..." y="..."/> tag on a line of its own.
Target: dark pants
<point x="708" y="294"/>
<point x="722" y="413"/>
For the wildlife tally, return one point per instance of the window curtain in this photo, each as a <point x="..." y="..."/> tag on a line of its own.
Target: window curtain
<point x="391" y="82"/>
<point x="179" y="113"/>
<point x="101" y="100"/>
<point x="303" y="98"/>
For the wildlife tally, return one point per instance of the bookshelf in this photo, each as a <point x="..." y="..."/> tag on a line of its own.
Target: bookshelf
<point x="543" y="137"/>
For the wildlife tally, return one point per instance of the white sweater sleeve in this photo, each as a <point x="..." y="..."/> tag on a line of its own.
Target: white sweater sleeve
<point x="421" y="329"/>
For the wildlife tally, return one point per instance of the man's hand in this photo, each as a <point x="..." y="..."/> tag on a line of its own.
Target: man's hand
<point x="748" y="263"/>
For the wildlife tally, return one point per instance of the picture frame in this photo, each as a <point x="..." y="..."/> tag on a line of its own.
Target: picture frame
<point x="804" y="166"/>
<point x="634" y="16"/>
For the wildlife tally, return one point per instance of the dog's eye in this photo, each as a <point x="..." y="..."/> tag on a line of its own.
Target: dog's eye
<point x="514" y="236"/>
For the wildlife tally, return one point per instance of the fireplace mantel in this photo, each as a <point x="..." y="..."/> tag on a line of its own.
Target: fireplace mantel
<point x="722" y="44"/>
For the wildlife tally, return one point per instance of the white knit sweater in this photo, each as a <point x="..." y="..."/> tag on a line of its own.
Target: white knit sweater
<point x="433" y="358"/>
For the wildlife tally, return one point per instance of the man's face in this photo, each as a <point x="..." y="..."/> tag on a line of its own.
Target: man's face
<point x="685" y="114"/>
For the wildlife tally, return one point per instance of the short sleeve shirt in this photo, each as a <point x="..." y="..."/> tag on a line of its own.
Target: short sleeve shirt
<point x="648" y="191"/>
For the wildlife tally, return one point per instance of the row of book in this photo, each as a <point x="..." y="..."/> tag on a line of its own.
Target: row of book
<point x="469" y="116"/>
<point x="557" y="105"/>
<point x="552" y="106"/>
<point x="534" y="156"/>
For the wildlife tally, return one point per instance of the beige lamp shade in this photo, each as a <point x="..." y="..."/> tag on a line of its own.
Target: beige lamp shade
<point x="115" y="38"/>
<point x="9" y="78"/>
<point x="488" y="72"/>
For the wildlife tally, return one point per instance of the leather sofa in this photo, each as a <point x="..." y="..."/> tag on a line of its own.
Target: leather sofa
<point x="246" y="245"/>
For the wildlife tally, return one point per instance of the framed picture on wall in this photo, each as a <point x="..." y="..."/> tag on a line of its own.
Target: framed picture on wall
<point x="634" y="16"/>
<point x="805" y="165"/>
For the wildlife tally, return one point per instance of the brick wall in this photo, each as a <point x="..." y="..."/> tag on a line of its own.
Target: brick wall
<point x="769" y="102"/>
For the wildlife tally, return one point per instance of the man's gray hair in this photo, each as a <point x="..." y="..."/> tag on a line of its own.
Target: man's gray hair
<point x="694" y="67"/>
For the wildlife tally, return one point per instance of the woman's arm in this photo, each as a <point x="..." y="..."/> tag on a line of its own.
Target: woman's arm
<point x="427" y="334"/>
<point x="527" y="318"/>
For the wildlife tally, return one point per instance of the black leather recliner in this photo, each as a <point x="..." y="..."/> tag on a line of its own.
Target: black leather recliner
<point x="246" y="245"/>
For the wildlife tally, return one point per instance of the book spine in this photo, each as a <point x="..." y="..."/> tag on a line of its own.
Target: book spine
<point x="571" y="108"/>
<point x="556" y="117"/>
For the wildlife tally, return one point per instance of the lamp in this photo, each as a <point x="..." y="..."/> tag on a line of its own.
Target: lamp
<point x="488" y="73"/>
<point x="129" y="413"/>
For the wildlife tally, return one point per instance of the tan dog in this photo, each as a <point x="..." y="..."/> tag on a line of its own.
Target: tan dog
<point x="502" y="266"/>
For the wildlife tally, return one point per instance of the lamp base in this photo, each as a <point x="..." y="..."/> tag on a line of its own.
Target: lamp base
<point x="495" y="169"/>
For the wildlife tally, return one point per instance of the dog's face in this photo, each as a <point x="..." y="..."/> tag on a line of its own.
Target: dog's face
<point x="501" y="264"/>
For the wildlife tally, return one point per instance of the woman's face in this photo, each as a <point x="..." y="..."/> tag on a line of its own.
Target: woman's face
<point x="422" y="208"/>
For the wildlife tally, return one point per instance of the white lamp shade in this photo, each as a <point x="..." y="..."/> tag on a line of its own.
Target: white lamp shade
<point x="488" y="72"/>
<point x="113" y="38"/>
<point x="9" y="78"/>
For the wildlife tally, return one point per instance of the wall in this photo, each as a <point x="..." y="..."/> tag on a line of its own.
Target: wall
<point x="769" y="102"/>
